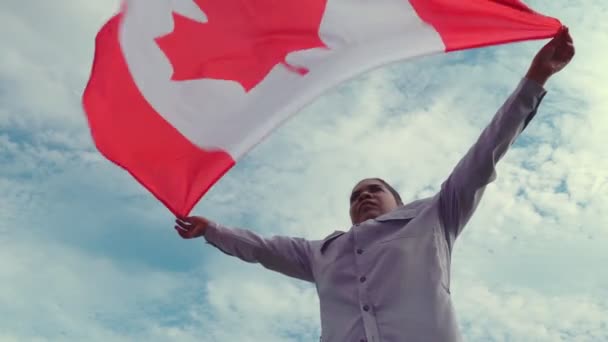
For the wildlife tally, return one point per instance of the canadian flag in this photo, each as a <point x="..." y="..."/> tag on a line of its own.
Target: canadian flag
<point x="180" y="90"/>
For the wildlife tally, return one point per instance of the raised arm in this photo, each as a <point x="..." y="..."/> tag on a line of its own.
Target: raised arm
<point x="461" y="192"/>
<point x="289" y="256"/>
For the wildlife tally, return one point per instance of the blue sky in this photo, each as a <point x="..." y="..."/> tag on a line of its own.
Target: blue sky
<point x="87" y="254"/>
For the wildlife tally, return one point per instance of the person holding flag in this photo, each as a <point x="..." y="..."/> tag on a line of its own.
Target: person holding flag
<point x="387" y="278"/>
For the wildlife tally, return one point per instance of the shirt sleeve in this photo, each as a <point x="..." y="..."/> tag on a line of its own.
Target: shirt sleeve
<point x="286" y="255"/>
<point x="461" y="192"/>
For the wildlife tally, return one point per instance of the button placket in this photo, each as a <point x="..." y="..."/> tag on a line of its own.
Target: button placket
<point x="369" y="320"/>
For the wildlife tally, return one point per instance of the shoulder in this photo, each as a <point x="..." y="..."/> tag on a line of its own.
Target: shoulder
<point x="420" y="203"/>
<point x="412" y="209"/>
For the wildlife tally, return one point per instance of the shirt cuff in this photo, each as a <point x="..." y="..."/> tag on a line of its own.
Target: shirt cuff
<point x="531" y="87"/>
<point x="212" y="233"/>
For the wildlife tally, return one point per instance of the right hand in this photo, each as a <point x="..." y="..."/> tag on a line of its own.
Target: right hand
<point x="192" y="227"/>
<point x="552" y="58"/>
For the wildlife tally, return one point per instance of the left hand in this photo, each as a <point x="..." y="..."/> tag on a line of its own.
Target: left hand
<point x="192" y="227"/>
<point x="552" y="57"/>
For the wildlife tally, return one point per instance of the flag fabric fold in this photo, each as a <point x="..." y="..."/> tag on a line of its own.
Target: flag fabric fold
<point x="179" y="91"/>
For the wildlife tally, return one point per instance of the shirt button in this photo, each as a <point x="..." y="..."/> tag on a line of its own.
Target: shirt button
<point x="362" y="279"/>
<point x="359" y="251"/>
<point x="366" y="307"/>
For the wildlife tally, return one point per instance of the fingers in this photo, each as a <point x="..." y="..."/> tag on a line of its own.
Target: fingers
<point x="183" y="227"/>
<point x="191" y="227"/>
<point x="563" y="35"/>
<point x="567" y="36"/>
<point x="186" y="233"/>
<point x="183" y="223"/>
<point x="184" y="220"/>
<point x="566" y="47"/>
<point x="568" y="51"/>
<point x="183" y="233"/>
<point x="561" y="47"/>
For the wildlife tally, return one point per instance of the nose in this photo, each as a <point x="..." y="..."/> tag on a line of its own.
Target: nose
<point x="365" y="195"/>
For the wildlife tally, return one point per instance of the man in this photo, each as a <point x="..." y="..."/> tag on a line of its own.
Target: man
<point x="388" y="277"/>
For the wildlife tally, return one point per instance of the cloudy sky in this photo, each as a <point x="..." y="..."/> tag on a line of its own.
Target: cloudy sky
<point x="87" y="255"/>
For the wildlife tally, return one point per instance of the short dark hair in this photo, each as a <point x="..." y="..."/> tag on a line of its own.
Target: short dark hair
<point x="392" y="190"/>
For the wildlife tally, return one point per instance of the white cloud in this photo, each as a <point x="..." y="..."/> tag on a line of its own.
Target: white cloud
<point x="263" y="307"/>
<point x="52" y="292"/>
<point x="521" y="314"/>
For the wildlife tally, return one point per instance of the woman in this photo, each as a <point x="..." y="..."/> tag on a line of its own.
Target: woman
<point x="388" y="277"/>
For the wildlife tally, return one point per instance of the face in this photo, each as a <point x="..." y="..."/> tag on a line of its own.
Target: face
<point x="370" y="199"/>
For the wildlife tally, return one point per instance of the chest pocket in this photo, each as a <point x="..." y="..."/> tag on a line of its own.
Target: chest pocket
<point x="401" y="224"/>
<point x="333" y="248"/>
<point x="328" y="240"/>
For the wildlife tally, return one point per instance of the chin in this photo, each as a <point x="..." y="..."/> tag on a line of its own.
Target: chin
<point x="372" y="214"/>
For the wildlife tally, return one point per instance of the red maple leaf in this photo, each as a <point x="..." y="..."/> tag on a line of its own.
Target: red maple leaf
<point x="242" y="39"/>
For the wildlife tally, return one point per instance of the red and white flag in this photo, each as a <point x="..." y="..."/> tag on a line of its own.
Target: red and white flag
<point x="180" y="90"/>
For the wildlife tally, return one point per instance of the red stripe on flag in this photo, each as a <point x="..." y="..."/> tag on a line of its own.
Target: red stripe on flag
<point x="465" y="24"/>
<point x="130" y="133"/>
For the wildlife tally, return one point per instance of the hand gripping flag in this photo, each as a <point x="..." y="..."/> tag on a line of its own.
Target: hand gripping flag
<point x="180" y="90"/>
